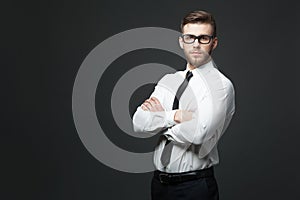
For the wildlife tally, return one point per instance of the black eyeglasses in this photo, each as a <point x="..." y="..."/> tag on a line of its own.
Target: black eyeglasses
<point x="202" y="39"/>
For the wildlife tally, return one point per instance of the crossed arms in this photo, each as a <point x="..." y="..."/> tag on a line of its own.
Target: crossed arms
<point x="153" y="105"/>
<point x="206" y="123"/>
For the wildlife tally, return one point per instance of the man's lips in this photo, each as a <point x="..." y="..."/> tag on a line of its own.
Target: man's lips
<point x="195" y="53"/>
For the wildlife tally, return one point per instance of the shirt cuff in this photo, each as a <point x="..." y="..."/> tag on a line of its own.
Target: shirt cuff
<point x="170" y="118"/>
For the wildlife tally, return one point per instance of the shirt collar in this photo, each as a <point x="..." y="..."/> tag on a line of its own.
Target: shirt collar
<point x="203" y="68"/>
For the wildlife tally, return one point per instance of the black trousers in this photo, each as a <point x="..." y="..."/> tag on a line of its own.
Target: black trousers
<point x="199" y="189"/>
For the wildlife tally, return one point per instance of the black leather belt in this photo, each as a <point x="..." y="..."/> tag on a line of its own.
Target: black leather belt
<point x="173" y="178"/>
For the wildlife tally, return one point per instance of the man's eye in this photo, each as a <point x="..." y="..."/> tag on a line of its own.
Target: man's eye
<point x="205" y="37"/>
<point x="189" y="37"/>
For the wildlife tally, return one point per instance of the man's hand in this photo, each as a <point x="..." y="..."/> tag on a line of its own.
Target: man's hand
<point x="152" y="105"/>
<point x="182" y="116"/>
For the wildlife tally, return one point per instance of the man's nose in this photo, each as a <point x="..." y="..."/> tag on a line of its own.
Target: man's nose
<point x="196" y="43"/>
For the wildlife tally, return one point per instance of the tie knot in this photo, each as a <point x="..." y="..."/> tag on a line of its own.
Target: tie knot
<point x="188" y="75"/>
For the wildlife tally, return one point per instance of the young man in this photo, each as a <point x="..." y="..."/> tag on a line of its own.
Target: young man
<point x="190" y="109"/>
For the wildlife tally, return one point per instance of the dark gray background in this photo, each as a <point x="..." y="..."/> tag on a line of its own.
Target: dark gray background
<point x="43" y="45"/>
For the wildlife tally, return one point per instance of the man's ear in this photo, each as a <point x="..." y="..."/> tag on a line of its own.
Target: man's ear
<point x="180" y="42"/>
<point x="214" y="43"/>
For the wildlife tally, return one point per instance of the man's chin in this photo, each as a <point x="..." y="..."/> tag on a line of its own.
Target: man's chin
<point x="198" y="63"/>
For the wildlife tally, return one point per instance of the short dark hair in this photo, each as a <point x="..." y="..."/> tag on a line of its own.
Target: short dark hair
<point x="199" y="16"/>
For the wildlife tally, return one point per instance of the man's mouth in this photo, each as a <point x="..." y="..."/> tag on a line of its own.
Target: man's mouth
<point x="195" y="53"/>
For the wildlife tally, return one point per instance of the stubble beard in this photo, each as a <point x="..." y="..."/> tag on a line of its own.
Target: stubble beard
<point x="193" y="61"/>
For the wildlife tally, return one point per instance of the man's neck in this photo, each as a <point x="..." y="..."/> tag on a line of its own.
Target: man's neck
<point x="191" y="67"/>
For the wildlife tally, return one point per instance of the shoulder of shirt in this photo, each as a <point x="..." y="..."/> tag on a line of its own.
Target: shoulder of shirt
<point x="171" y="78"/>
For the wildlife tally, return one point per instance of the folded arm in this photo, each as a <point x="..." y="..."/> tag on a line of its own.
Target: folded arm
<point x="209" y="121"/>
<point x="152" y="117"/>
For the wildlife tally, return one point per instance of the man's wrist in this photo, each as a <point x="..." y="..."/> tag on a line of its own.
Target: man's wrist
<point x="177" y="117"/>
<point x="182" y="116"/>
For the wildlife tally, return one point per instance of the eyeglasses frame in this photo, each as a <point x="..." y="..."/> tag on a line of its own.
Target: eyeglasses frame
<point x="197" y="37"/>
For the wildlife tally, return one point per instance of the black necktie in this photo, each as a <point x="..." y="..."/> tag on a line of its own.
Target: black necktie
<point x="166" y="154"/>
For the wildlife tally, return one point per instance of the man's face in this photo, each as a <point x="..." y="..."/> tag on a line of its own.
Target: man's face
<point x="196" y="53"/>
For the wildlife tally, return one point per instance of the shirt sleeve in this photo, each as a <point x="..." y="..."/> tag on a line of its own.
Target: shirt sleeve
<point x="209" y="121"/>
<point x="194" y="131"/>
<point x="154" y="122"/>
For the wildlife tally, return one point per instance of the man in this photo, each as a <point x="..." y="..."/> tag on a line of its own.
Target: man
<point x="190" y="109"/>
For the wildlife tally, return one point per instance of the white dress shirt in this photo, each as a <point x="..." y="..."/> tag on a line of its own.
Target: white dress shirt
<point x="210" y="96"/>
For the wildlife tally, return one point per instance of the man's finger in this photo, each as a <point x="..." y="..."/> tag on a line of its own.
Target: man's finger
<point x="155" y="100"/>
<point x="151" y="102"/>
<point x="144" y="107"/>
<point x="147" y="105"/>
